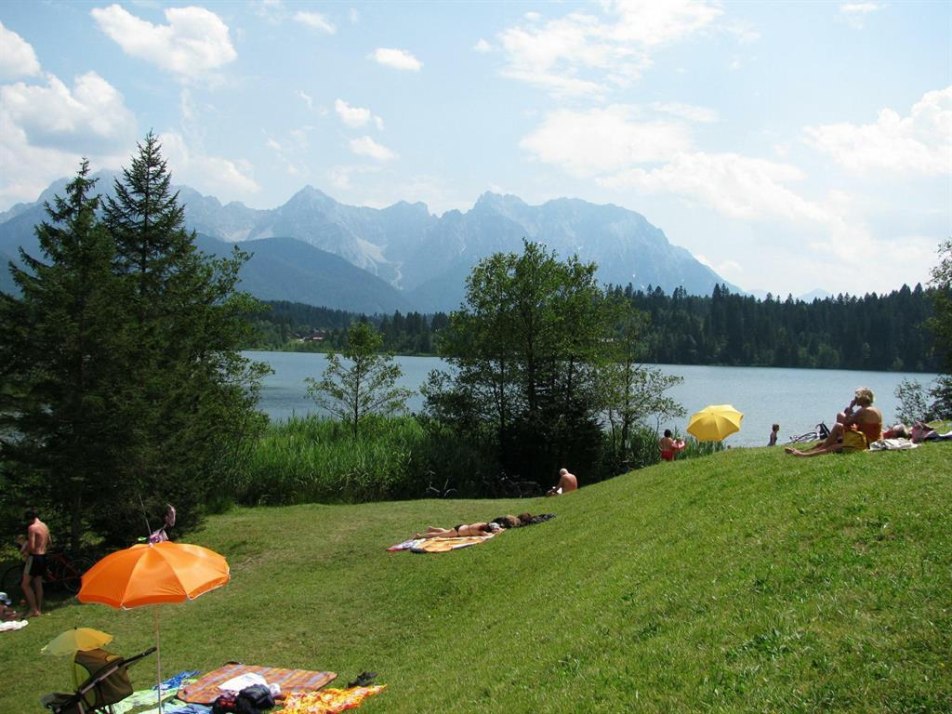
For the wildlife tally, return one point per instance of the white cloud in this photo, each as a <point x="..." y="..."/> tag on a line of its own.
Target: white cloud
<point x="701" y="115"/>
<point x="215" y="175"/>
<point x="603" y="140"/>
<point x="583" y="53"/>
<point x="650" y="23"/>
<point x="737" y="186"/>
<point x="17" y="58"/>
<point x="365" y="146"/>
<point x="855" y="13"/>
<point x="89" y="117"/>
<point x="397" y="59"/>
<point x="355" y="116"/>
<point x="46" y="129"/>
<point x="193" y="43"/>
<point x="340" y="176"/>
<point x="315" y="21"/>
<point x="306" y="98"/>
<point x="920" y="143"/>
<point x="482" y="46"/>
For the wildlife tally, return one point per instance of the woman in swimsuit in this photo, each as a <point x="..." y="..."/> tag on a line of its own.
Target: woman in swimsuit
<point x="463" y="530"/>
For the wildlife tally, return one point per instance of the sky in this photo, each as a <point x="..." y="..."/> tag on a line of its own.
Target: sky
<point x="790" y="146"/>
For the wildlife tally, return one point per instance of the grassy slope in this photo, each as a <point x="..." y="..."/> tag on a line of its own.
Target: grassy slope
<point x="747" y="581"/>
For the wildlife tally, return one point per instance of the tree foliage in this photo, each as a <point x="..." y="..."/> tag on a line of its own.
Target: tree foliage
<point x="528" y="350"/>
<point x="60" y="357"/>
<point x="632" y="392"/>
<point x="941" y="326"/>
<point x="367" y="386"/>
<point x="137" y="365"/>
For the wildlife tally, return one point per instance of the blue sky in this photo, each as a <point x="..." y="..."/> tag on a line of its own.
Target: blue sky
<point x="791" y="146"/>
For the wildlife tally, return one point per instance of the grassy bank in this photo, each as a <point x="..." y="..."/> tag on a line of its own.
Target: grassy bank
<point x="746" y="581"/>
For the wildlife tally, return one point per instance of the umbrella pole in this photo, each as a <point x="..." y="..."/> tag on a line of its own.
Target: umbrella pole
<point x="158" y="657"/>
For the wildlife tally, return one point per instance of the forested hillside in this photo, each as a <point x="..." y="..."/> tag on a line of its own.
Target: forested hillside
<point x="881" y="333"/>
<point x="874" y="332"/>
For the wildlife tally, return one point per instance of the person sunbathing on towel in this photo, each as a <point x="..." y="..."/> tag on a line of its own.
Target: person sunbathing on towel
<point x="463" y="530"/>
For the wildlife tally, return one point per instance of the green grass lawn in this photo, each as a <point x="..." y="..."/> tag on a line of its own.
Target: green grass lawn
<point x="745" y="581"/>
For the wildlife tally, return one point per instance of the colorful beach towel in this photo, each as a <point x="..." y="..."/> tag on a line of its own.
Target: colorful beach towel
<point x="206" y="689"/>
<point x="439" y="545"/>
<point x="329" y="701"/>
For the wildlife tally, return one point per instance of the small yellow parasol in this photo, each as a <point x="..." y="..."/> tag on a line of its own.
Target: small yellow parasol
<point x="77" y="639"/>
<point x="715" y="422"/>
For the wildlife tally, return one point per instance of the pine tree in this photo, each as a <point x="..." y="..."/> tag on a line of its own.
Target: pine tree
<point x="189" y="396"/>
<point x="60" y="360"/>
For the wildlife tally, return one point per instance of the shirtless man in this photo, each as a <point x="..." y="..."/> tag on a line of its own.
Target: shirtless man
<point x="567" y="482"/>
<point x="34" y="551"/>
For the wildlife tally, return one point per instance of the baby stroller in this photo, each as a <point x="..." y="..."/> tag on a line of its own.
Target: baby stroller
<point x="107" y="683"/>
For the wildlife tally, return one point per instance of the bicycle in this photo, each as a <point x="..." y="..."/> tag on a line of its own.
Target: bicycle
<point x="445" y="492"/>
<point x="63" y="571"/>
<point x="516" y="488"/>
<point x="819" y="433"/>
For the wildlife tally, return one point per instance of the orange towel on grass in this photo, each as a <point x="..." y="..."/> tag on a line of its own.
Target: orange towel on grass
<point x="329" y="701"/>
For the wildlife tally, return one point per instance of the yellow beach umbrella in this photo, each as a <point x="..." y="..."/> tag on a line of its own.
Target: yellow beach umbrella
<point x="77" y="639"/>
<point x="715" y="422"/>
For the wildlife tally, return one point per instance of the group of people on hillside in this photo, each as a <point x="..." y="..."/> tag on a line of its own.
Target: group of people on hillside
<point x="860" y="424"/>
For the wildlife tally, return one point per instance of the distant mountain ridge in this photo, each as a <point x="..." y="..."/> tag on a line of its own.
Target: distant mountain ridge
<point x="402" y="257"/>
<point x="428" y="257"/>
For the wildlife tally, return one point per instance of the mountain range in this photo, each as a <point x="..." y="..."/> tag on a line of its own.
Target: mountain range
<point x="318" y="251"/>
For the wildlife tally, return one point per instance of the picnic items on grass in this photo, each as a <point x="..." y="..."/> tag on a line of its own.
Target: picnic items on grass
<point x="207" y="688"/>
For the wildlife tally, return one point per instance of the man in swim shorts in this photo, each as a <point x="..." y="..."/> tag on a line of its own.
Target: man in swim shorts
<point x="34" y="569"/>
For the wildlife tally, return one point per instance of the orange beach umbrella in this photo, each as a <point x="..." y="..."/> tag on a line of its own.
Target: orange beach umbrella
<point x="154" y="574"/>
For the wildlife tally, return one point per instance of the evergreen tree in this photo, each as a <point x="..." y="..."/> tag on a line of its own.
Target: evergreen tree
<point x="60" y="361"/>
<point x="366" y="387"/>
<point x="188" y="397"/>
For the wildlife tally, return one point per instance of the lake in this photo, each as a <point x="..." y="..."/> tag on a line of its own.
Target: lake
<point x="794" y="398"/>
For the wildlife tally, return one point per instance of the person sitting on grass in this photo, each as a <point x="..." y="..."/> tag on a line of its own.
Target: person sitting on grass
<point x="860" y="416"/>
<point x="669" y="446"/>
<point x="567" y="482"/>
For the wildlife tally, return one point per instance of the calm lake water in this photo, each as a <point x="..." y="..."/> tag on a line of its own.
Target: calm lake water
<point x="794" y="398"/>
